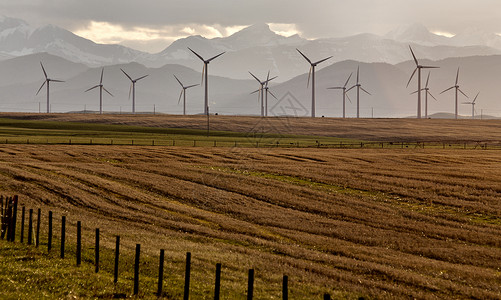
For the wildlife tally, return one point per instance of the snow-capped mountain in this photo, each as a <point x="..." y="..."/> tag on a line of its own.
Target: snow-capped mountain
<point x="19" y="38"/>
<point x="475" y="36"/>
<point x="418" y="34"/>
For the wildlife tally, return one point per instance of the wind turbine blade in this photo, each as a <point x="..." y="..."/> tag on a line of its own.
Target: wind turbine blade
<point x="463" y="93"/>
<point x="91" y="88"/>
<point x="429" y="67"/>
<point x="178" y="80"/>
<point x="457" y="77"/>
<point x="102" y="72"/>
<point x="190" y="86"/>
<point x="255" y="77"/>
<point x="307" y="59"/>
<point x="414" y="56"/>
<point x="43" y="69"/>
<point x="447" y="89"/>
<point x="348" y="97"/>
<point x="309" y="75"/>
<point x="108" y="92"/>
<point x="40" y="87"/>
<point x="141" y="77"/>
<point x="412" y="76"/>
<point x="473" y="102"/>
<point x="180" y="95"/>
<point x="321" y="61"/>
<point x="267" y="78"/>
<point x="350" y="88"/>
<point x="272" y="94"/>
<point x="348" y="80"/>
<point x="365" y="91"/>
<point x="335" y="88"/>
<point x="413" y="93"/>
<point x="431" y="95"/>
<point x="427" y="80"/>
<point x="358" y="74"/>
<point x="130" y="90"/>
<point x="54" y="80"/>
<point x="203" y="73"/>
<point x="255" y="91"/>
<point x="268" y="81"/>
<point x="212" y="58"/>
<point x="197" y="54"/>
<point x="126" y="74"/>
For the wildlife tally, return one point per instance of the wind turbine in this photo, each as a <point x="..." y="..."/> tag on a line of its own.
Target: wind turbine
<point x="472" y="106"/>
<point x="266" y="92"/>
<point x="456" y="86"/>
<point x="418" y="69"/>
<point x="133" y="88"/>
<point x="101" y="88"/>
<point x="206" y="71"/>
<point x="359" y="87"/>
<point x="344" y="94"/>
<point x="47" y="81"/>
<point x="262" y="90"/>
<point x="183" y="92"/>
<point x="312" y="74"/>
<point x="427" y="92"/>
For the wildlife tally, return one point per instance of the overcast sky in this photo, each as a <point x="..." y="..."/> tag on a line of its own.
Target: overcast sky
<point x="151" y="25"/>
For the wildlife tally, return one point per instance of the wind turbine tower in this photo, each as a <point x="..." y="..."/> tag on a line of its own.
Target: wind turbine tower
<point x="312" y="75"/>
<point x="456" y="86"/>
<point x="344" y="94"/>
<point x="262" y="90"/>
<point x="205" y="71"/>
<point x="133" y="88"/>
<point x="359" y="87"/>
<point x="47" y="81"/>
<point x="183" y="93"/>
<point x="427" y="92"/>
<point x="418" y="69"/>
<point x="101" y="88"/>
<point x="473" y="105"/>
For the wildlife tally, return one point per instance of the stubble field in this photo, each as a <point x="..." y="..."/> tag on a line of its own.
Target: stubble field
<point x="410" y="223"/>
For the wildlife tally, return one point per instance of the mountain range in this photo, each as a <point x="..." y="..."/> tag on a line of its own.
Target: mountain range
<point x="385" y="65"/>
<point x="254" y="48"/>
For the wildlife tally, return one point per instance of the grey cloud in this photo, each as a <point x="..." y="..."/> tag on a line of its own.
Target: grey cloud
<point x="317" y="18"/>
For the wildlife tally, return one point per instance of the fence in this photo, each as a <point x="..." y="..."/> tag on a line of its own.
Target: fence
<point x="8" y="215"/>
<point x="264" y="143"/>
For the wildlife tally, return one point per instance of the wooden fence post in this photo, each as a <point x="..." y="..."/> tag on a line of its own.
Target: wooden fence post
<point x="96" y="252"/>
<point x="160" y="273"/>
<point x="49" y="239"/>
<point x="37" y="241"/>
<point x="250" y="285"/>
<point x="63" y="234"/>
<point x="23" y="212"/>
<point x="136" y="269"/>
<point x="79" y="242"/>
<point x="30" y="226"/>
<point x="13" y="219"/>
<point x="217" y="287"/>
<point x="117" y="254"/>
<point x="285" y="288"/>
<point x="187" y="277"/>
<point x="2" y="218"/>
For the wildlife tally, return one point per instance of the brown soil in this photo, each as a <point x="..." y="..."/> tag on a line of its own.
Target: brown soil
<point x="411" y="130"/>
<point x="385" y="224"/>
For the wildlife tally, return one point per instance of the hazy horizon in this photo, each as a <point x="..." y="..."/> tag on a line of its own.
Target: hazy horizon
<point x="157" y="25"/>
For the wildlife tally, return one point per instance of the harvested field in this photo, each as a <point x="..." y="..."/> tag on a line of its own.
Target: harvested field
<point x="417" y="223"/>
<point x="394" y="130"/>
